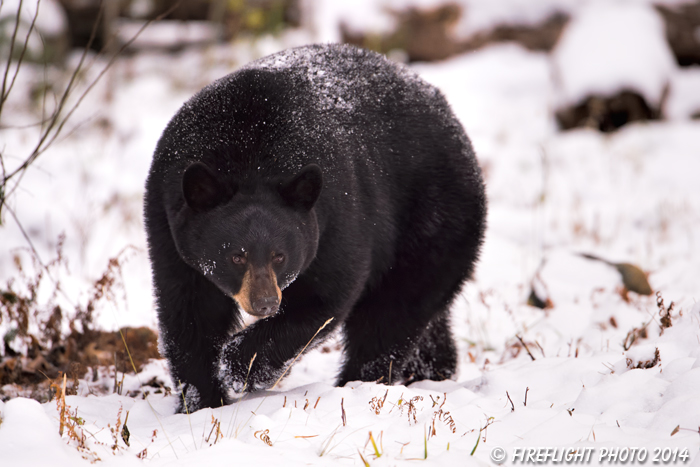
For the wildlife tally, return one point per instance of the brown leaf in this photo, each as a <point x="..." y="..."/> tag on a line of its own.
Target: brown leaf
<point x="633" y="278"/>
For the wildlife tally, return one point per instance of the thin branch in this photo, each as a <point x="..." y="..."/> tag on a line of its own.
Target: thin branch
<point x="21" y="55"/>
<point x="41" y="147"/>
<point x="38" y="258"/>
<point x="64" y="98"/>
<point x="3" y="96"/>
<point x="29" y="240"/>
<point x="27" y="126"/>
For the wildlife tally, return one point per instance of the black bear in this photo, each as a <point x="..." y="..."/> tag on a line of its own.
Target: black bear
<point x="320" y="182"/>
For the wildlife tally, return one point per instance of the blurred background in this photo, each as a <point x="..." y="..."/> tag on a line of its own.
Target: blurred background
<point x="585" y="116"/>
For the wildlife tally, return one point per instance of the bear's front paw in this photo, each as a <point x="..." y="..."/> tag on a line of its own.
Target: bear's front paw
<point x="245" y="371"/>
<point x="189" y="399"/>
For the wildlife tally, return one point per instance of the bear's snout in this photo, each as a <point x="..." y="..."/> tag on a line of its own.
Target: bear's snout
<point x="259" y="294"/>
<point x="265" y="306"/>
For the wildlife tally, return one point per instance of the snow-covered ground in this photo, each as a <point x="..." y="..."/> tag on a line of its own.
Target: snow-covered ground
<point x="631" y="196"/>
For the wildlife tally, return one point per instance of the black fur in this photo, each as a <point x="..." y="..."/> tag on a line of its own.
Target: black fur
<point x="350" y="171"/>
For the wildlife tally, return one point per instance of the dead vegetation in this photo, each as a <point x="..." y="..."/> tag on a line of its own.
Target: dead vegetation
<point x="411" y="409"/>
<point x="608" y="113"/>
<point x="644" y="364"/>
<point x="444" y="417"/>
<point x="682" y="23"/>
<point x="426" y="34"/>
<point x="49" y="335"/>
<point x="376" y="404"/>
<point x="664" y="313"/>
<point x="665" y="321"/>
<point x="70" y="424"/>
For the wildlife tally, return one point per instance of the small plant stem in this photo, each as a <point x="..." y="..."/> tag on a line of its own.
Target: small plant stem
<point x="374" y="445"/>
<point x="526" y="391"/>
<point x="478" y="437"/>
<point x="512" y="406"/>
<point x="425" y="444"/>
<point x="188" y="415"/>
<point x="302" y="351"/>
<point x="525" y="346"/>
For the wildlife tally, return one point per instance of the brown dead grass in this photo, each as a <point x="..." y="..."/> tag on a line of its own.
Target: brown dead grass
<point x="37" y="350"/>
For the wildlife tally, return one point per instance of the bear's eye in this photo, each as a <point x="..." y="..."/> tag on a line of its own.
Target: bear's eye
<point x="278" y="258"/>
<point x="239" y="259"/>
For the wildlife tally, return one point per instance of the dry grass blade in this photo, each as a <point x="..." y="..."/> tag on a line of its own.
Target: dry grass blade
<point x="364" y="462"/>
<point x="234" y="417"/>
<point x="301" y="352"/>
<point x="377" y="453"/>
<point x="250" y="365"/>
<point x="184" y="400"/>
<point x="425" y="444"/>
<point x="62" y="404"/>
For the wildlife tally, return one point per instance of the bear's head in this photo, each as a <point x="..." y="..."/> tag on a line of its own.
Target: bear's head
<point x="251" y="241"/>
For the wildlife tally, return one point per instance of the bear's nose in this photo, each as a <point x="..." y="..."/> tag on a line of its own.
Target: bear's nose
<point x="265" y="306"/>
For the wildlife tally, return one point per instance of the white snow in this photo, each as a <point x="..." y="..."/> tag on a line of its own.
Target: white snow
<point x="610" y="46"/>
<point x="380" y="16"/>
<point x="684" y="96"/>
<point x="25" y="421"/>
<point x="630" y="196"/>
<point x="50" y="19"/>
<point x="377" y="17"/>
<point x="167" y="33"/>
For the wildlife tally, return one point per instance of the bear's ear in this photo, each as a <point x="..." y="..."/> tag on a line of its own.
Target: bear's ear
<point x="201" y="188"/>
<point x="302" y="190"/>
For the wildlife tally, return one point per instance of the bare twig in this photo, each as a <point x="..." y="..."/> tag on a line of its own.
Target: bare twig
<point x="55" y="122"/>
<point x="6" y="93"/>
<point x="3" y="95"/>
<point x="40" y="148"/>
<point x="512" y="406"/>
<point x="342" y="411"/>
<point x="525" y="346"/>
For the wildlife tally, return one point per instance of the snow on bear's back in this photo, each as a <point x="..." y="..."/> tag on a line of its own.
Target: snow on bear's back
<point x="341" y="76"/>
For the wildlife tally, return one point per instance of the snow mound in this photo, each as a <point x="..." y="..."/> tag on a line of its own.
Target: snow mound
<point x="684" y="96"/>
<point x="25" y="419"/>
<point x="610" y="47"/>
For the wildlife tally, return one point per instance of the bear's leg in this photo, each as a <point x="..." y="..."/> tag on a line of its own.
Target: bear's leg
<point x="402" y="329"/>
<point x="402" y="320"/>
<point x="435" y="355"/>
<point x="195" y="319"/>
<point x="192" y="356"/>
